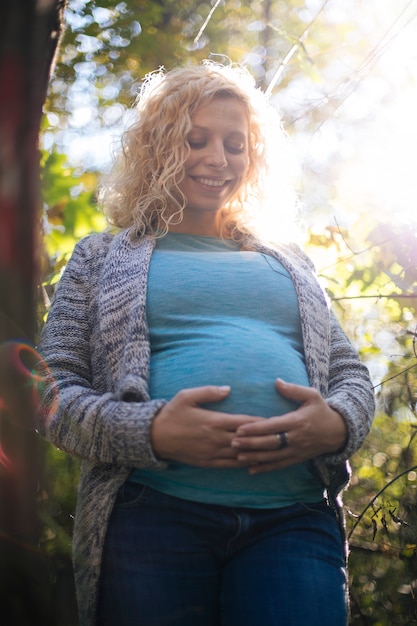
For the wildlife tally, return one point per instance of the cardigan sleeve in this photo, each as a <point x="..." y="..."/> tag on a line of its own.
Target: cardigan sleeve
<point x="348" y="387"/>
<point x="333" y="363"/>
<point x="350" y="391"/>
<point x="78" y="413"/>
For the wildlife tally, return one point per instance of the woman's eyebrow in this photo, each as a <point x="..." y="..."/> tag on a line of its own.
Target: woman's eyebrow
<point x="232" y="132"/>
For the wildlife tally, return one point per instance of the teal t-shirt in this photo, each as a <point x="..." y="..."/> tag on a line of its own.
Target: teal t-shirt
<point x="221" y="316"/>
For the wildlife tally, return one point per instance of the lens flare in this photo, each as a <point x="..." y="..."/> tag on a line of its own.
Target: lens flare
<point x="23" y="376"/>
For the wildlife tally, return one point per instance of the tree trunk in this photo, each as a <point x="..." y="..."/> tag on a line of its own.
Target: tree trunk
<point x="29" y="34"/>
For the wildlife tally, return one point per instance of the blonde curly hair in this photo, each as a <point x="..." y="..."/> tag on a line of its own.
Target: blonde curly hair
<point x="141" y="189"/>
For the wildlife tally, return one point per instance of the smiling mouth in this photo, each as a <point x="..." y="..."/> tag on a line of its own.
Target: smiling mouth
<point x="210" y="182"/>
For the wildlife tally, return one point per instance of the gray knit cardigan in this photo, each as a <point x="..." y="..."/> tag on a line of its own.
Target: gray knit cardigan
<point x="96" y="345"/>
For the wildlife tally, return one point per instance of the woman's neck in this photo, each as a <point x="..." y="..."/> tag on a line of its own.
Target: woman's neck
<point x="202" y="223"/>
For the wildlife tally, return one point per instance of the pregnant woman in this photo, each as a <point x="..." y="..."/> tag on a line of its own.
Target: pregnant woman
<point x="210" y="392"/>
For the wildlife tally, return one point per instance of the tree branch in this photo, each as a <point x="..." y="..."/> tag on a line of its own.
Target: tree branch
<point x="372" y="501"/>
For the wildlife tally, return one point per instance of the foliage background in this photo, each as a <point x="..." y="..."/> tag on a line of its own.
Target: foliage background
<point x="343" y="77"/>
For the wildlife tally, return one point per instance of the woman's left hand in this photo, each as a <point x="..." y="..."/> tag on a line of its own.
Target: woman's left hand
<point x="314" y="428"/>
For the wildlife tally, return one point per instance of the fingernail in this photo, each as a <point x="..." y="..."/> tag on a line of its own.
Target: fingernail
<point x="235" y="444"/>
<point x="224" y="388"/>
<point x="242" y="457"/>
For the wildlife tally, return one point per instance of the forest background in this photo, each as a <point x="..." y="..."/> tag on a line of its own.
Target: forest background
<point x="343" y="75"/>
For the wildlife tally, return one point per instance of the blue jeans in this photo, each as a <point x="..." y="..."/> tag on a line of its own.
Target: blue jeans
<point x="173" y="562"/>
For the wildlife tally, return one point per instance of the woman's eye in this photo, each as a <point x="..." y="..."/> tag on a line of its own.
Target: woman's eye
<point x="196" y="145"/>
<point x="236" y="149"/>
<point x="199" y="144"/>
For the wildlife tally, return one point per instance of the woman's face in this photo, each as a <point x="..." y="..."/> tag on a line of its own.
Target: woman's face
<point x="217" y="164"/>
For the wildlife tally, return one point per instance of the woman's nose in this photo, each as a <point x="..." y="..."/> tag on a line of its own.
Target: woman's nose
<point x="217" y="156"/>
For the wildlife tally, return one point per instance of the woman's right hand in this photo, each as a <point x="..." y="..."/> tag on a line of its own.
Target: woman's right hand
<point x="184" y="431"/>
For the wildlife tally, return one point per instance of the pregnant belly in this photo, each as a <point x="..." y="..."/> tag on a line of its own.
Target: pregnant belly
<point x="249" y="368"/>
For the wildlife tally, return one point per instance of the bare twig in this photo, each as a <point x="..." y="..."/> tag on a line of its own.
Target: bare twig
<point x="292" y="51"/>
<point x="373" y="500"/>
<point x="206" y="21"/>
<point x="357" y="252"/>
<point x="347" y="86"/>
<point x="378" y="296"/>
<point x="281" y="68"/>
<point x="386" y="380"/>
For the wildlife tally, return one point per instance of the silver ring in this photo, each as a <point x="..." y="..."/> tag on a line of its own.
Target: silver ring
<point x="282" y="440"/>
